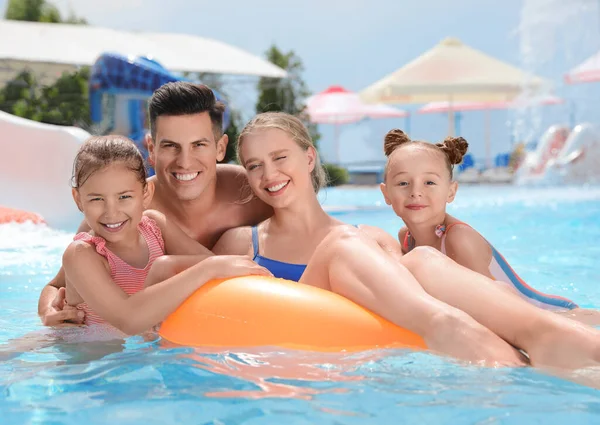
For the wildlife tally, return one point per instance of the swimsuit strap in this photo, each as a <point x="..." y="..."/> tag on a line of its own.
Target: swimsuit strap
<point x="409" y="241"/>
<point x="448" y="227"/>
<point x="255" y="240"/>
<point x="440" y="230"/>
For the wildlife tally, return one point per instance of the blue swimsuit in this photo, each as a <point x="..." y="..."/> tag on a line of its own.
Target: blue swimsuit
<point x="278" y="268"/>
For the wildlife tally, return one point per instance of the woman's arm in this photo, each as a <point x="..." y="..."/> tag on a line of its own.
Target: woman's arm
<point x="236" y="241"/>
<point x="139" y="312"/>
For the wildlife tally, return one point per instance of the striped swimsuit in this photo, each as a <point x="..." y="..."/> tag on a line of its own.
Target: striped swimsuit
<point x="503" y="272"/>
<point x="128" y="278"/>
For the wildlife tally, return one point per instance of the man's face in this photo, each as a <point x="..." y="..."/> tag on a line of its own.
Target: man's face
<point x="185" y="153"/>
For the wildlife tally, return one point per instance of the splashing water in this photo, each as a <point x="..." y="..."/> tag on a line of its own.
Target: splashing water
<point x="554" y="36"/>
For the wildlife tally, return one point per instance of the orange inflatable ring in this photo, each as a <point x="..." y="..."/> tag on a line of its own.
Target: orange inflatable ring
<point x="264" y="311"/>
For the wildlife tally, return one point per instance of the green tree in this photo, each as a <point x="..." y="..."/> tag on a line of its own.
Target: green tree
<point x="20" y="97"/>
<point x="66" y="101"/>
<point x="233" y="132"/>
<point x="32" y="11"/>
<point x="287" y="94"/>
<point x="215" y="82"/>
<point x="63" y="103"/>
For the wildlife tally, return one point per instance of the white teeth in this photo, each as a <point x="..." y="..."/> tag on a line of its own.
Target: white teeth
<point x="186" y="177"/>
<point x="114" y="226"/>
<point x="278" y="187"/>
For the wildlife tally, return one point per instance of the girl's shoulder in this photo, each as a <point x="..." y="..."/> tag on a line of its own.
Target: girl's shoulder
<point x="81" y="250"/>
<point x="459" y="230"/>
<point x="463" y="240"/>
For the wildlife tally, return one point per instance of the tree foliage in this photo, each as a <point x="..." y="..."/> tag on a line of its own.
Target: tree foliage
<point x="286" y="94"/>
<point x="215" y="82"/>
<point x="65" y="102"/>
<point x="37" y="11"/>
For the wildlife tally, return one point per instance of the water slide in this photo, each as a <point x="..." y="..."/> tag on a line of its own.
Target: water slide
<point x="36" y="166"/>
<point x="579" y="160"/>
<point x="560" y="159"/>
<point x="533" y="169"/>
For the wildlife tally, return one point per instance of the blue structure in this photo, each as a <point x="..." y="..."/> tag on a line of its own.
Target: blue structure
<point x="119" y="88"/>
<point x="467" y="162"/>
<point x="502" y="160"/>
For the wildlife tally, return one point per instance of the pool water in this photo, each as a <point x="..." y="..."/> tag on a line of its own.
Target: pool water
<point x="550" y="236"/>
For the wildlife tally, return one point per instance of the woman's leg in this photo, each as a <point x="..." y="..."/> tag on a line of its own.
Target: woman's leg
<point x="353" y="265"/>
<point x="584" y="315"/>
<point x="549" y="339"/>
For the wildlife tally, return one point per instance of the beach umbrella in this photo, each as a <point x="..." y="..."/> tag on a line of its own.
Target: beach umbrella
<point x="338" y="106"/>
<point x="453" y="72"/>
<point x="520" y="102"/>
<point x="586" y="72"/>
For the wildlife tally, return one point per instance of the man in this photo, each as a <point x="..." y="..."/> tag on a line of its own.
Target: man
<point x="203" y="198"/>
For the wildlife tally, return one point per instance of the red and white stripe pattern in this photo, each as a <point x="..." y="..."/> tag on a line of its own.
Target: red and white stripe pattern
<point x="129" y="278"/>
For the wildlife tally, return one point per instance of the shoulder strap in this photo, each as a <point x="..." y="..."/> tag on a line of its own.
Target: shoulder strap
<point x="255" y="240"/>
<point x="153" y="235"/>
<point x="409" y="242"/>
<point x="454" y="224"/>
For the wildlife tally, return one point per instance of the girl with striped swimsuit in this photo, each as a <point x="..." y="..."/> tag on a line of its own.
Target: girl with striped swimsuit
<point x="118" y="273"/>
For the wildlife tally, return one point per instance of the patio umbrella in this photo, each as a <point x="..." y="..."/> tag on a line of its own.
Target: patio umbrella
<point x="586" y="72"/>
<point x="338" y="106"/>
<point x="519" y="102"/>
<point x="453" y="72"/>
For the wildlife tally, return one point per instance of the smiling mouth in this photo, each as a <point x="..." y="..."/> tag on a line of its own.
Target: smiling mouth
<point x="277" y="188"/>
<point x="114" y="227"/>
<point x="186" y="177"/>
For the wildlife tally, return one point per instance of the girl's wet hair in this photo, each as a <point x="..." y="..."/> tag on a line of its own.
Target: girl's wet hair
<point x="453" y="148"/>
<point x="295" y="129"/>
<point x="98" y="152"/>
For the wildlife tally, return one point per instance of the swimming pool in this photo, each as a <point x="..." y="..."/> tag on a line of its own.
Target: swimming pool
<point x="550" y="235"/>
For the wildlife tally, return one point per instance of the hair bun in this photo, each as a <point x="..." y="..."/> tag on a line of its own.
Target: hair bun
<point x="393" y="139"/>
<point x="455" y="148"/>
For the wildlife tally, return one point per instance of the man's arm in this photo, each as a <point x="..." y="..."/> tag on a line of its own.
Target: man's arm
<point x="51" y="305"/>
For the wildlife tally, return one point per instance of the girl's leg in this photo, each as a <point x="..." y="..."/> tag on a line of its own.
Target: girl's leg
<point x="549" y="339"/>
<point x="353" y="265"/>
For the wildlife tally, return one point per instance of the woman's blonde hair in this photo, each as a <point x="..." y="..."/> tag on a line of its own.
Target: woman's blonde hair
<point x="295" y="129"/>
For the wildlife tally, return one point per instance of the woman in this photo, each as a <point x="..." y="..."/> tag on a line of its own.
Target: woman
<point x="423" y="291"/>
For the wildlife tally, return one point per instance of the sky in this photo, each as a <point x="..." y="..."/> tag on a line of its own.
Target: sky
<point x="356" y="42"/>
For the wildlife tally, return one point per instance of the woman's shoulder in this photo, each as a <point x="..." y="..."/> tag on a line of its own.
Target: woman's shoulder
<point x="235" y="241"/>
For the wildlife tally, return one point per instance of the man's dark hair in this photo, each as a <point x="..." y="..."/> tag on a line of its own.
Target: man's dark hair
<point x="184" y="98"/>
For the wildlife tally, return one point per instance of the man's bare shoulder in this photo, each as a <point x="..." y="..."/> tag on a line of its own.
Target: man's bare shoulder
<point x="231" y="178"/>
<point x="233" y="186"/>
